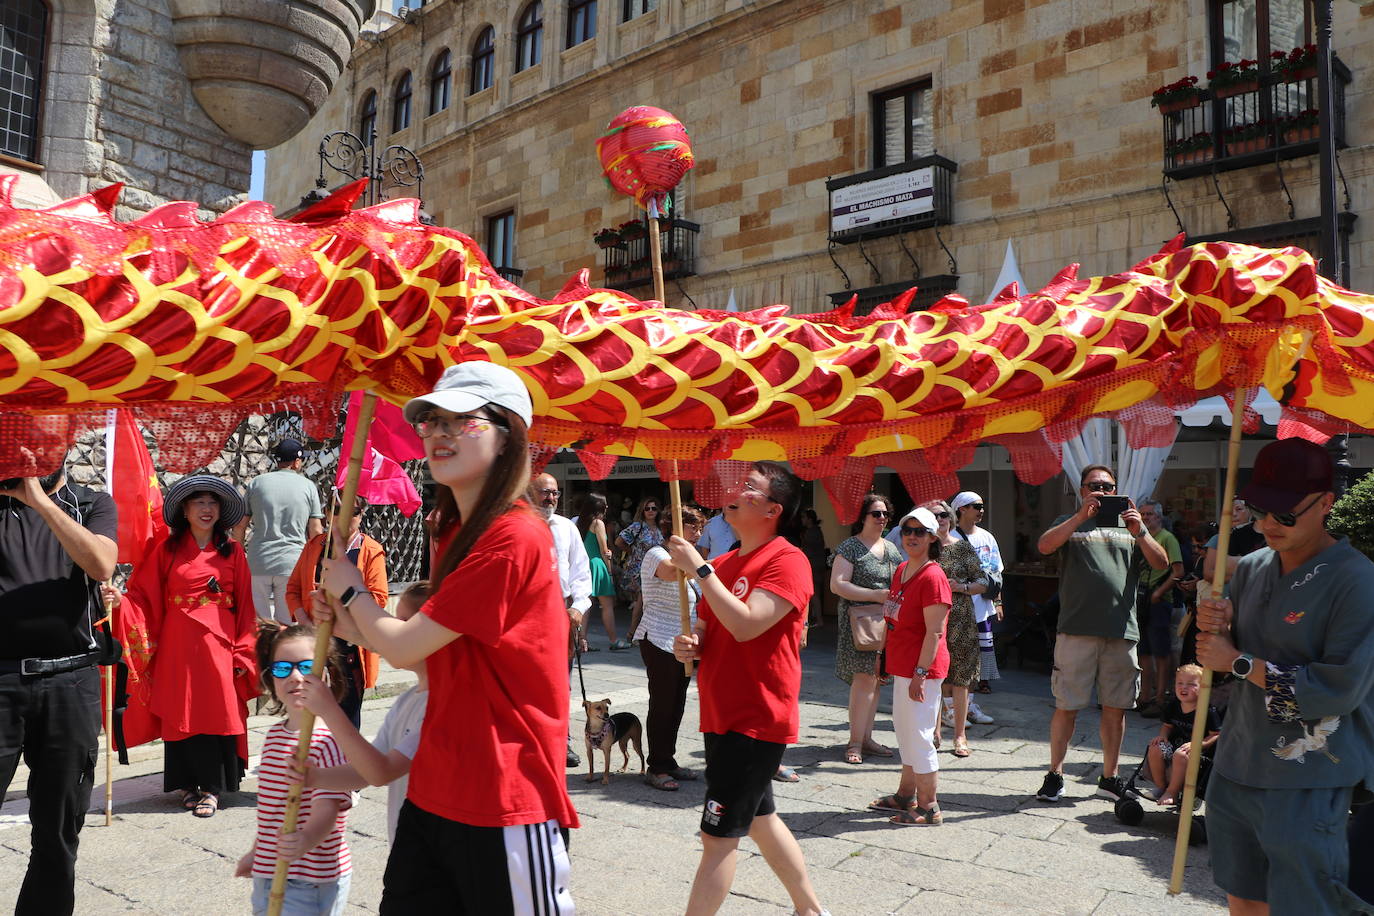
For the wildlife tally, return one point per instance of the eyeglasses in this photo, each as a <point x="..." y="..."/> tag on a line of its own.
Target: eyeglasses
<point x="942" y="515"/>
<point x="879" y="513"/>
<point x="463" y="424"/>
<point x="912" y="531"/>
<point x="1286" y="519"/>
<point x="284" y="669"/>
<point x="553" y="493"/>
<point x="750" y="488"/>
<point x="691" y="524"/>
<point x="1100" y="486"/>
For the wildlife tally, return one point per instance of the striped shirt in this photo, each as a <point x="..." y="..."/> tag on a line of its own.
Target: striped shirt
<point x="662" y="619"/>
<point x="328" y="861"/>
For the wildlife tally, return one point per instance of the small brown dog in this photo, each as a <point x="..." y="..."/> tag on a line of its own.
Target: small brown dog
<point x="604" y="731"/>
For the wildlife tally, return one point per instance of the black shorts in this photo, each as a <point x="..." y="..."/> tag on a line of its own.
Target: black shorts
<point x="739" y="782"/>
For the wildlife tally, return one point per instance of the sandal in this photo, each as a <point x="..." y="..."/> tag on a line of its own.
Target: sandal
<point x="664" y="781"/>
<point x="893" y="802"/>
<point x="961" y="747"/>
<point x="189" y="798"/>
<point x="786" y="774"/>
<point x="916" y="816"/>
<point x="207" y="806"/>
<point x="620" y="645"/>
<point x="853" y="754"/>
<point x="875" y="749"/>
<point x="683" y="774"/>
<point x="983" y="687"/>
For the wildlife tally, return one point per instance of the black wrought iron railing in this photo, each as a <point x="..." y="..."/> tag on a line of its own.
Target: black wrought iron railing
<point x="1271" y="118"/>
<point x="628" y="264"/>
<point x="892" y="199"/>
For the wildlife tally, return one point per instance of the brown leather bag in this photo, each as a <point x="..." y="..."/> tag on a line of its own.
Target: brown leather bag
<point x="867" y="627"/>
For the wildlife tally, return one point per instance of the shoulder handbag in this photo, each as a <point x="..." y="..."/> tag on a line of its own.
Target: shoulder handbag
<point x="867" y="627"/>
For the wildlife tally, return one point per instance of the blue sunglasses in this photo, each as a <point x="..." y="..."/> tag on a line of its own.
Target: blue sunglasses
<point x="284" y="669"/>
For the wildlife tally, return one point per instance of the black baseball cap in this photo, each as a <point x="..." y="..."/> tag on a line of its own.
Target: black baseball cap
<point x="1286" y="471"/>
<point x="287" y="450"/>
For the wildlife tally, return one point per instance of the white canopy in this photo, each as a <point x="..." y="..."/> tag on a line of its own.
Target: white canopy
<point x="1204" y="412"/>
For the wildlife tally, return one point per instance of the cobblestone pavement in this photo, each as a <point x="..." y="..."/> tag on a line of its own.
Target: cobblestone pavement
<point x="999" y="851"/>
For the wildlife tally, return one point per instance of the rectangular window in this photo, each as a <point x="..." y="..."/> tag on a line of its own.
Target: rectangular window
<point x="632" y="9"/>
<point x="1253" y="29"/>
<point x="903" y="128"/>
<point x="501" y="239"/>
<point x="581" y="21"/>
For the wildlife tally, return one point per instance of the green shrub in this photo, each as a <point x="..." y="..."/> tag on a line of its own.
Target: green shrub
<point x="1353" y="516"/>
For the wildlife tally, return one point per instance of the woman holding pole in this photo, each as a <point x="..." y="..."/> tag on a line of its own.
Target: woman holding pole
<point x="484" y="825"/>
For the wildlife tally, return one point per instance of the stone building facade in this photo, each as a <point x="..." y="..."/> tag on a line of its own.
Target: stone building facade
<point x="1040" y="107"/>
<point x="115" y="105"/>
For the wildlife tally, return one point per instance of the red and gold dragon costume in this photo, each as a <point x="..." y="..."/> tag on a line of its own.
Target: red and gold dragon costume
<point x="195" y="324"/>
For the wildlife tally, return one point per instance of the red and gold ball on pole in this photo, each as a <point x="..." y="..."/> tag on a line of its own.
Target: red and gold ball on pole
<point x="644" y="153"/>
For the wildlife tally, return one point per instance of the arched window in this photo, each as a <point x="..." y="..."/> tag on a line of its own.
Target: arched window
<point x="581" y="21"/>
<point x="23" y="39"/>
<point x="400" y="103"/>
<point x="440" y="82"/>
<point x="483" y="60"/>
<point x="529" y="37"/>
<point x="367" y="117"/>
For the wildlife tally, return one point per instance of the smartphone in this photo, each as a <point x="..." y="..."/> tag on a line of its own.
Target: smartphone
<point x="1109" y="509"/>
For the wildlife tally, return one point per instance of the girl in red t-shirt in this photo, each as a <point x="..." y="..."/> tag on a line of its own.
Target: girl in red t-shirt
<point x="483" y="828"/>
<point x="917" y="658"/>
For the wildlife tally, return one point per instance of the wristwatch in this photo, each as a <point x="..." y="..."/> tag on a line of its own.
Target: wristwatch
<point x="1243" y="665"/>
<point x="922" y="672"/>
<point x="348" y="595"/>
<point x="705" y="571"/>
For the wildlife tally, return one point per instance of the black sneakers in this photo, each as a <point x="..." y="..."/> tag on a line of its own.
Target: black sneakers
<point x="1052" y="789"/>
<point x="1112" y="787"/>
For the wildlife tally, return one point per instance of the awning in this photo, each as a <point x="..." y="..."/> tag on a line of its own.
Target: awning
<point x="1208" y="410"/>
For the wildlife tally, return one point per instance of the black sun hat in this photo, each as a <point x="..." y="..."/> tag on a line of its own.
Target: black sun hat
<point x="231" y="507"/>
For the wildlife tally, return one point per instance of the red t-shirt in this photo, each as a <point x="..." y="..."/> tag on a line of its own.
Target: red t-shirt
<point x="752" y="687"/>
<point x="492" y="752"/>
<point x="928" y="586"/>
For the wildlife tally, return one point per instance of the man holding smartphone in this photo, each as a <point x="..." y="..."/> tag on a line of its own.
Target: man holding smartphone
<point x="1101" y="547"/>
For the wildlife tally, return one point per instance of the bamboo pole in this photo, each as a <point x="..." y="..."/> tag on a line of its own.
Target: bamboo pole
<point x="674" y="487"/>
<point x="1204" y="697"/>
<point x="109" y="727"/>
<point x="323" y="633"/>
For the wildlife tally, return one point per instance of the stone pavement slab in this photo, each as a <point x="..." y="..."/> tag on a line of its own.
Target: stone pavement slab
<point x="999" y="852"/>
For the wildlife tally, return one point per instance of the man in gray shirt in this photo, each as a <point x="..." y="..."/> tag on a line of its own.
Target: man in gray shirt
<point x="1299" y="730"/>
<point x="285" y="511"/>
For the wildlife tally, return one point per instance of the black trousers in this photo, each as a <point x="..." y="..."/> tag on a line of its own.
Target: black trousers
<point x="54" y="721"/>
<point x="668" y="682"/>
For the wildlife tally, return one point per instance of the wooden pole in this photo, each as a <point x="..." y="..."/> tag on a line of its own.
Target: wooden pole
<point x="1204" y="697"/>
<point x="674" y="488"/>
<point x="109" y="728"/>
<point x="323" y="633"/>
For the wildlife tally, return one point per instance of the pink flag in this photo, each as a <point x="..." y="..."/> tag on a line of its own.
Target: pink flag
<point x="390" y="441"/>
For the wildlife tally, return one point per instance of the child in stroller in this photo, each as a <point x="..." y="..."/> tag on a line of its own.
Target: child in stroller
<point x="1166" y="758"/>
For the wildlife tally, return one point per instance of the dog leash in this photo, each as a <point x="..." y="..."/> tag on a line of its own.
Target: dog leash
<point x="577" y="648"/>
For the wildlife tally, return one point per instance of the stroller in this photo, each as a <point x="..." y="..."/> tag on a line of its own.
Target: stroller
<point x="1130" y="811"/>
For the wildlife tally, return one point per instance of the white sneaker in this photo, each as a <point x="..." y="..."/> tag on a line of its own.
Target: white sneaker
<point x="947" y="717"/>
<point x="976" y="716"/>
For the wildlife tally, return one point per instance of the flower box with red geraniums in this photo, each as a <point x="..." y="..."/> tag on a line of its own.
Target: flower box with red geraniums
<point x="1189" y="150"/>
<point x="606" y="238"/>
<point x="1177" y="96"/>
<point x="1300" y="127"/>
<point x="1247" y="138"/>
<point x="633" y="229"/>
<point x="1296" y="65"/>
<point x="1233" y="78"/>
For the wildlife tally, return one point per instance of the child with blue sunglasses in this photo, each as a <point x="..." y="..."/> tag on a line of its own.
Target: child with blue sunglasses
<point x="321" y="866"/>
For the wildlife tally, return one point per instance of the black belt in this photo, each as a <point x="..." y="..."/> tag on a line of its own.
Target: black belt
<point x="37" y="666"/>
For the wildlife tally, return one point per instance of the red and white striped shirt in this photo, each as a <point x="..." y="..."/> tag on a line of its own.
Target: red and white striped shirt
<point x="330" y="860"/>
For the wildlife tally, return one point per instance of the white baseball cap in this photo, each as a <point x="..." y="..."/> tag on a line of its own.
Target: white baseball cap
<point x="922" y="515"/>
<point x="469" y="386"/>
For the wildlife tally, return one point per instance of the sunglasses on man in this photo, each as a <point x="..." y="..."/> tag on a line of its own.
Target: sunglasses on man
<point x="1286" y="519"/>
<point x="1101" y="486"/>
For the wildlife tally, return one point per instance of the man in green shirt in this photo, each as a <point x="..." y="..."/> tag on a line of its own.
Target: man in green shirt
<point x="1156" y="610"/>
<point x="1099" y="571"/>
